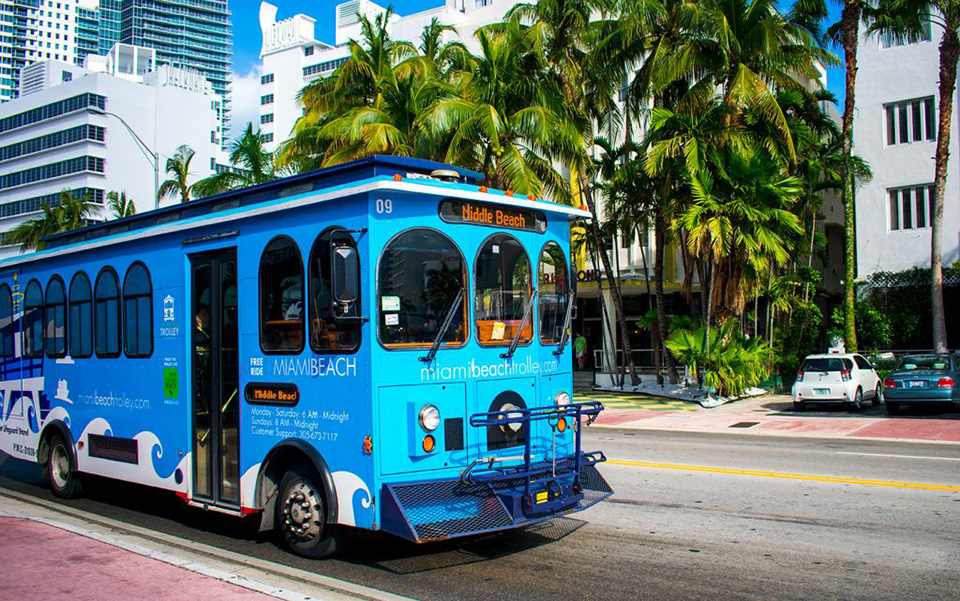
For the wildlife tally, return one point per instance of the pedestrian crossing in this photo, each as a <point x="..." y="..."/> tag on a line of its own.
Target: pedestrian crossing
<point x="613" y="400"/>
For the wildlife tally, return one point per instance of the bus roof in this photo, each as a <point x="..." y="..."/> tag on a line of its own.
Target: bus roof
<point x="364" y="175"/>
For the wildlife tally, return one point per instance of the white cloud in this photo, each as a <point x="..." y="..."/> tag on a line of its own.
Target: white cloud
<point x="245" y="107"/>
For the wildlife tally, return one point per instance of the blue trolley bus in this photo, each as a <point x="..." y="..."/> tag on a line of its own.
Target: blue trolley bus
<point x="382" y="344"/>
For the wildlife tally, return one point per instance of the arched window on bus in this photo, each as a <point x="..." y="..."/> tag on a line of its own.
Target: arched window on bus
<point x="32" y="321"/>
<point x="55" y="318"/>
<point x="6" y="321"/>
<point x="553" y="294"/>
<point x="502" y="292"/>
<point x="106" y="313"/>
<point x="421" y="282"/>
<point x="334" y="293"/>
<point x="80" y="317"/>
<point x="137" y="312"/>
<point x="281" y="297"/>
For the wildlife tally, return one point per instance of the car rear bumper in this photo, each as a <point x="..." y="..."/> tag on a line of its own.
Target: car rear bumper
<point x="946" y="395"/>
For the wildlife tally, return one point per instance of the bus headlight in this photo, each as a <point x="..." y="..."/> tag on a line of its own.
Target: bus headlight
<point x="429" y="418"/>
<point x="562" y="398"/>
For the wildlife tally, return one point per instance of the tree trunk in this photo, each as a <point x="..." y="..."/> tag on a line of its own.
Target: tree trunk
<point x="614" y="283"/>
<point x="849" y="24"/>
<point x="659" y="228"/>
<point x="949" y="52"/>
<point x="655" y="339"/>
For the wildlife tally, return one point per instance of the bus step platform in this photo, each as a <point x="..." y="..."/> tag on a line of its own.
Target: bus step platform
<point x="437" y="510"/>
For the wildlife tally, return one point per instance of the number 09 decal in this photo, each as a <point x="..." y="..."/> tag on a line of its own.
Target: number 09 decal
<point x="384" y="206"/>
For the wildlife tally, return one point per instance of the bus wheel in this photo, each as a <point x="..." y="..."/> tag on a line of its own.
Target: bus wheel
<point x="64" y="480"/>
<point x="301" y="514"/>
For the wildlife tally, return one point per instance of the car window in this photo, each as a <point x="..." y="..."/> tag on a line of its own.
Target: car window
<point x="926" y="362"/>
<point x="861" y="362"/>
<point x="827" y="364"/>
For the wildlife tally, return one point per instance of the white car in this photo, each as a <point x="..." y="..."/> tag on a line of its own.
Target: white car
<point x="836" y="378"/>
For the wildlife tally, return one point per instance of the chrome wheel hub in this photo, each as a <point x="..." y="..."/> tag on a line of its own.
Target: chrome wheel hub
<point x="59" y="465"/>
<point x="301" y="512"/>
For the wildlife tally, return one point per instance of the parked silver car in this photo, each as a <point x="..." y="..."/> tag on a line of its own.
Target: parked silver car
<point x="836" y="378"/>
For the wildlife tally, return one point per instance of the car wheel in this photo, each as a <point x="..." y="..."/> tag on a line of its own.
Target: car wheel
<point x="892" y="407"/>
<point x="858" y="400"/>
<point x="63" y="478"/>
<point x="301" y="514"/>
<point x="877" y="396"/>
<point x="799" y="406"/>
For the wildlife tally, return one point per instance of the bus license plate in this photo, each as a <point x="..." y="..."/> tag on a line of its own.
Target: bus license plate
<point x="821" y="391"/>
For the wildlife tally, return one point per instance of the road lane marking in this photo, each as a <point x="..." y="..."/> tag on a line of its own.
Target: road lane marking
<point x="785" y="476"/>
<point x="898" y="456"/>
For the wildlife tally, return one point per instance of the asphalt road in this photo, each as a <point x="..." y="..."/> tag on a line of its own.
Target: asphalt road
<point x="686" y="523"/>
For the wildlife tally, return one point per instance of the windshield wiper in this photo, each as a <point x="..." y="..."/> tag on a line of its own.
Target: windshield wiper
<point x="523" y="322"/>
<point x="566" y="326"/>
<point x="444" y="326"/>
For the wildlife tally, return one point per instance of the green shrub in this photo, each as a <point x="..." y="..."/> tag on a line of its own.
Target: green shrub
<point x="730" y="366"/>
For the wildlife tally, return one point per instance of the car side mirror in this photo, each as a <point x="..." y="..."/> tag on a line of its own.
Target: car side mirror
<point x="345" y="270"/>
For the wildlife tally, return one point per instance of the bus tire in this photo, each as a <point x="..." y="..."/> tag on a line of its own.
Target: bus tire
<point x="61" y="473"/>
<point x="301" y="514"/>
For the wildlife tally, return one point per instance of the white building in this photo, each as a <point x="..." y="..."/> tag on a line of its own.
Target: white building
<point x="895" y="130"/>
<point x="76" y="128"/>
<point x="292" y="57"/>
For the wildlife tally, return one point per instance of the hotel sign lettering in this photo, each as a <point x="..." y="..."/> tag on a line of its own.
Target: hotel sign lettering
<point x="492" y="215"/>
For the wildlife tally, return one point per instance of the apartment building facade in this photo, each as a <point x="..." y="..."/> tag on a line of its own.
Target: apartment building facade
<point x="895" y="131"/>
<point x="76" y="129"/>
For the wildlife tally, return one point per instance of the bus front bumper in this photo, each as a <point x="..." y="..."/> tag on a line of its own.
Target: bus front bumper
<point x="490" y="496"/>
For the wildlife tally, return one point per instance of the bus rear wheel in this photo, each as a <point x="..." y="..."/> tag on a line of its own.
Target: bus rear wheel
<point x="301" y="514"/>
<point x="63" y="478"/>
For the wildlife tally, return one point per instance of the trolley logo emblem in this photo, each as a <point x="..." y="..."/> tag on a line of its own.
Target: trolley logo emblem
<point x="169" y="314"/>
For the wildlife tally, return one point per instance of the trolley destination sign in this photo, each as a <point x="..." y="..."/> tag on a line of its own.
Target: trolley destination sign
<point x="480" y="213"/>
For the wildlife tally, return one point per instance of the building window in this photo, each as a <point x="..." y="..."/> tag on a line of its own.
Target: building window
<point x="268" y="118"/>
<point x="137" y="312"/>
<point x="911" y="121"/>
<point x="265" y="79"/>
<point x="49" y="141"/>
<point x="324" y="66"/>
<point x="6" y="321"/>
<point x="332" y="328"/>
<point x="81" y="317"/>
<point x="308" y="51"/>
<point x="66" y="76"/>
<point x="266" y="99"/>
<point x="49" y="111"/>
<point x="107" y="313"/>
<point x="482" y="3"/>
<point x="32" y="320"/>
<point x="51" y="171"/>
<point x="281" y="297"/>
<point x="911" y="207"/>
<point x="268" y="137"/>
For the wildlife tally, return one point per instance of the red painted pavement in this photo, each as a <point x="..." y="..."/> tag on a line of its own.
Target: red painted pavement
<point x="41" y="562"/>
<point x="916" y="429"/>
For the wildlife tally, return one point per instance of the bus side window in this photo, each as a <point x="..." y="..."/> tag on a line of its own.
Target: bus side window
<point x="107" y="314"/>
<point x="80" y="317"/>
<point x="6" y="321"/>
<point x="554" y="292"/>
<point x="55" y="317"/>
<point x="503" y="288"/>
<point x="32" y="321"/>
<point x="331" y="329"/>
<point x="281" y="297"/>
<point x="137" y="312"/>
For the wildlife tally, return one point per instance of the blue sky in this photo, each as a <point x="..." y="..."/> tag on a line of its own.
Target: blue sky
<point x="247" y="38"/>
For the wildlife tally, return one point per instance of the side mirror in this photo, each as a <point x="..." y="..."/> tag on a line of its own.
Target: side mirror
<point x="346" y="282"/>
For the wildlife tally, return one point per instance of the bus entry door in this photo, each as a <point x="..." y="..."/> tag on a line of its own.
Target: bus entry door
<point x="215" y="366"/>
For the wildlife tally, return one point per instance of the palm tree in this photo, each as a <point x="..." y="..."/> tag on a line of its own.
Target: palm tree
<point x="252" y="165"/>
<point x="178" y="168"/>
<point x="70" y="213"/>
<point x="907" y="19"/>
<point x="120" y="204"/>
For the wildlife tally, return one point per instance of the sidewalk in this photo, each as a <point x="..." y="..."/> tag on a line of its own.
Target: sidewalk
<point x="773" y="416"/>
<point x="52" y="551"/>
